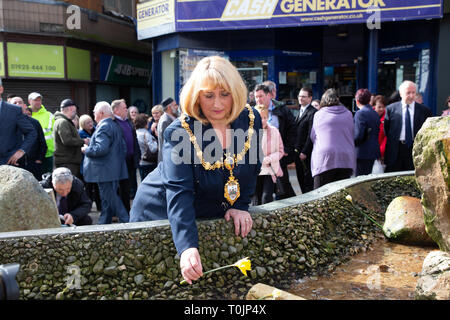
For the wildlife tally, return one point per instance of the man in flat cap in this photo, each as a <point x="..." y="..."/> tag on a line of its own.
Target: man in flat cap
<point x="67" y="141"/>
<point x="46" y="120"/>
<point x="170" y="108"/>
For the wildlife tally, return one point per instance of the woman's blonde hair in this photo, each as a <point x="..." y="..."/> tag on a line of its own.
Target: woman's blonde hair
<point x="83" y="119"/>
<point x="211" y="73"/>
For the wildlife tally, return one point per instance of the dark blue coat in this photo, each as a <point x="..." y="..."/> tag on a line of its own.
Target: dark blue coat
<point x="366" y="143"/>
<point x="185" y="191"/>
<point x="39" y="148"/>
<point x="16" y="131"/>
<point x="393" y="127"/>
<point x="104" y="159"/>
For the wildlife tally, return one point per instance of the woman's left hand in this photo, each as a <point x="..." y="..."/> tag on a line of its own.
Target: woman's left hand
<point x="242" y="221"/>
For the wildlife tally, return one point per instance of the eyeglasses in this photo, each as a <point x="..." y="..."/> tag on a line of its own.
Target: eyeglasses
<point x="303" y="96"/>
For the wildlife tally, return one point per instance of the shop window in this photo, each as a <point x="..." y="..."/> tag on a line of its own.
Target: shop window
<point x="343" y="79"/>
<point x="252" y="72"/>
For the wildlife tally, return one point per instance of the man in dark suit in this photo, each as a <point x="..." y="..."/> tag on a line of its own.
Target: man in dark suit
<point x="281" y="118"/>
<point x="128" y="186"/>
<point x="104" y="163"/>
<point x="402" y="122"/>
<point x="303" y="143"/>
<point x="367" y="129"/>
<point x="71" y="198"/>
<point x="35" y="157"/>
<point x="17" y="134"/>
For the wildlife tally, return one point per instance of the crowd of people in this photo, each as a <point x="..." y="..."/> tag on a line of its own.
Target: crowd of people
<point x="89" y="160"/>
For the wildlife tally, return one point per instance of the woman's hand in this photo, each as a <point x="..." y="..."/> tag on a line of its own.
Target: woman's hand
<point x="242" y="221"/>
<point x="191" y="265"/>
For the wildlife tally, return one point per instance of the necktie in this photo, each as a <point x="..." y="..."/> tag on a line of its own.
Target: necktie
<point x="63" y="208"/>
<point x="408" y="130"/>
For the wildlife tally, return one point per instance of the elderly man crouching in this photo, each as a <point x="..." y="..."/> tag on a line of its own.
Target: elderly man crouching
<point x="71" y="198"/>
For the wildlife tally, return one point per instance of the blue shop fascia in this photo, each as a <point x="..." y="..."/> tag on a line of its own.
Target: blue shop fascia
<point x="320" y="44"/>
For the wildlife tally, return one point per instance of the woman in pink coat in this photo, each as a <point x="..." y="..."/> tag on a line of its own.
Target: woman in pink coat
<point x="272" y="146"/>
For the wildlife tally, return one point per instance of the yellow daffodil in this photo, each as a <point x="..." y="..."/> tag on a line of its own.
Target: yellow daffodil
<point x="349" y="198"/>
<point x="243" y="265"/>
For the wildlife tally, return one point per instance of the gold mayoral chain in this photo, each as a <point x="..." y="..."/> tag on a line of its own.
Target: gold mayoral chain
<point x="231" y="188"/>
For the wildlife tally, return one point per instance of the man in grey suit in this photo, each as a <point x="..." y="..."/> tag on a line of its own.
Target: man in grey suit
<point x="170" y="108"/>
<point x="104" y="163"/>
<point x="402" y="122"/>
<point x="17" y="134"/>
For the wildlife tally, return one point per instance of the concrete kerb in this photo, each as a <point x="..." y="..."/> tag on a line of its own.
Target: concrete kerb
<point x="270" y="207"/>
<point x="326" y="190"/>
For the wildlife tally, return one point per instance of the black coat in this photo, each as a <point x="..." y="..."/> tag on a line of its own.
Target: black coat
<point x="303" y="143"/>
<point x="77" y="200"/>
<point x="39" y="148"/>
<point x="286" y="128"/>
<point x="393" y="127"/>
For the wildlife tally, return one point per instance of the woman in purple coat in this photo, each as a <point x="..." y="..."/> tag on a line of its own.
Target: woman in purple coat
<point x="333" y="157"/>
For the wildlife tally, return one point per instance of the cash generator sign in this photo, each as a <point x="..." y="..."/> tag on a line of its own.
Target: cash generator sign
<point x="157" y="17"/>
<point x="264" y="9"/>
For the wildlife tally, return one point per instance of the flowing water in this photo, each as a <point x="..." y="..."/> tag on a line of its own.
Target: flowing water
<point x="386" y="271"/>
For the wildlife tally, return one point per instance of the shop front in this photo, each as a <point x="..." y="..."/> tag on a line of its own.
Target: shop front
<point x="124" y="78"/>
<point x="345" y="45"/>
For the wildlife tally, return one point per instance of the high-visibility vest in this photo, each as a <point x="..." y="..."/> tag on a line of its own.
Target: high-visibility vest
<point x="47" y="120"/>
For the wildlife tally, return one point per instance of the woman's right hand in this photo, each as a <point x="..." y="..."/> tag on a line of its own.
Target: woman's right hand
<point x="191" y="265"/>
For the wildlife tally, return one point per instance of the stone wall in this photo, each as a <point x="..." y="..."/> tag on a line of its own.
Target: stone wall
<point x="305" y="235"/>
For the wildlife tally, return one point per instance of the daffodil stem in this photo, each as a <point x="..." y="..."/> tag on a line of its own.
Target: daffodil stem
<point x="371" y="219"/>
<point x="209" y="271"/>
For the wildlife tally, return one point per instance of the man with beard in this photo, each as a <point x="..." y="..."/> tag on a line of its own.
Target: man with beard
<point x="67" y="140"/>
<point x="170" y="108"/>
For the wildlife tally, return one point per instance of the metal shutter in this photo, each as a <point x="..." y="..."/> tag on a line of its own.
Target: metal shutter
<point x="52" y="92"/>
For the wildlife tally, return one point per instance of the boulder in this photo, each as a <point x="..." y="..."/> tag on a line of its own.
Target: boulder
<point x="24" y="205"/>
<point x="262" y="291"/>
<point x="434" y="281"/>
<point x="404" y="222"/>
<point x="431" y="155"/>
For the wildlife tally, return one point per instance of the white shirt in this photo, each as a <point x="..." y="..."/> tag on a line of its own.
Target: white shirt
<point x="302" y="110"/>
<point x="411" y="114"/>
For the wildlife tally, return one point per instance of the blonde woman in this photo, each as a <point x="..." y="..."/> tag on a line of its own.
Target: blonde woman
<point x="211" y="177"/>
<point x="273" y="149"/>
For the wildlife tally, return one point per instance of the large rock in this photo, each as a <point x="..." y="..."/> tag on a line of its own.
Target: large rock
<point x="24" y="205"/>
<point x="431" y="154"/>
<point x="261" y="291"/>
<point x="404" y="222"/>
<point x="434" y="281"/>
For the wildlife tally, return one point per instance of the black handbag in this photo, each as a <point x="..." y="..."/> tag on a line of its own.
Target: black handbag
<point x="279" y="187"/>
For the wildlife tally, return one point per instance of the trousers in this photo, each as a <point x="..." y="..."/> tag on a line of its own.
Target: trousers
<point x="112" y="205"/>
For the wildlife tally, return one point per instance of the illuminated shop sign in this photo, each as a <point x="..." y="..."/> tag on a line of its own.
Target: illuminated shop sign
<point x="194" y="15"/>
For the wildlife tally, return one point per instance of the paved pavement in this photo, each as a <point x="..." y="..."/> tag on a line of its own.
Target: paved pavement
<point x="292" y="178"/>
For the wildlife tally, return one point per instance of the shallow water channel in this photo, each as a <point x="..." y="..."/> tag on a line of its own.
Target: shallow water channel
<point x="386" y="271"/>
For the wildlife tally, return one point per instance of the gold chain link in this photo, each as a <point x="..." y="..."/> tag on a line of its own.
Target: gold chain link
<point x="219" y="164"/>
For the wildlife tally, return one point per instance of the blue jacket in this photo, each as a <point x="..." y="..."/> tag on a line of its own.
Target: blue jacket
<point x="366" y="143"/>
<point x="16" y="131"/>
<point x="185" y="191"/>
<point x="104" y="159"/>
